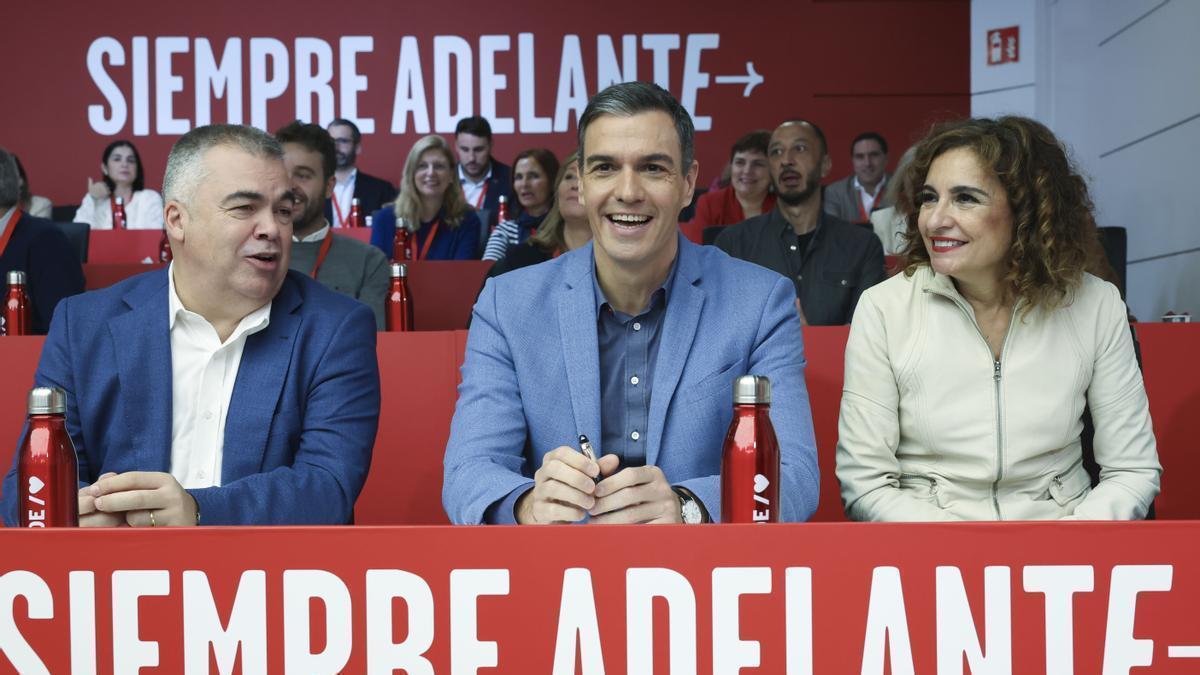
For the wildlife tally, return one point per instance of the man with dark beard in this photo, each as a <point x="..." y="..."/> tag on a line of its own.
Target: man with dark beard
<point x="371" y="192"/>
<point x="830" y="261"/>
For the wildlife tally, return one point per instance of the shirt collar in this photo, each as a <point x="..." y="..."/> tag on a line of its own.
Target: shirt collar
<point x="664" y="289"/>
<point x="462" y="176"/>
<point x="882" y="182"/>
<point x="5" y="218"/>
<point x="319" y="235"/>
<point x="350" y="178"/>
<point x="251" y="323"/>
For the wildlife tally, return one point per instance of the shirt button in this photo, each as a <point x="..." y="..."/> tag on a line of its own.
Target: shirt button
<point x="208" y="414"/>
<point x="634" y="380"/>
<point x="635" y="435"/>
<point x="800" y="277"/>
<point x="637" y="326"/>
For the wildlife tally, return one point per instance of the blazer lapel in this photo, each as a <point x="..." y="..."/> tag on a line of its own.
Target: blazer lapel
<point x="142" y="344"/>
<point x="679" y="330"/>
<point x="581" y="347"/>
<point x="264" y="367"/>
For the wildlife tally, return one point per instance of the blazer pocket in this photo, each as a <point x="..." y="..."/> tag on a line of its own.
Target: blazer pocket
<point x="714" y="384"/>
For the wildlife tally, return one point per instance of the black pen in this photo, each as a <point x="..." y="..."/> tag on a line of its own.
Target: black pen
<point x="585" y="446"/>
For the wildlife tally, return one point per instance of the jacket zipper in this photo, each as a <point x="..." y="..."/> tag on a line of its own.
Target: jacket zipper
<point x="996" y="375"/>
<point x="1058" y="479"/>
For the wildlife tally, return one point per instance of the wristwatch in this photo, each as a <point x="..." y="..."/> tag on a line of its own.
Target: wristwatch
<point x="689" y="507"/>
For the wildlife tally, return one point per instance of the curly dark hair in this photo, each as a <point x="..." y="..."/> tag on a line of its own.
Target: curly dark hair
<point x="1054" y="229"/>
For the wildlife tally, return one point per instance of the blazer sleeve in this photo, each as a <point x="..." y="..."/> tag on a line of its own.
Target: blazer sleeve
<point x="485" y="454"/>
<point x="1124" y="442"/>
<point x="149" y="214"/>
<point x="466" y="244"/>
<point x="376" y="279"/>
<point x="337" y="432"/>
<point x="869" y="428"/>
<point x="383" y="231"/>
<point x="54" y="274"/>
<point x="778" y="353"/>
<point x="86" y="213"/>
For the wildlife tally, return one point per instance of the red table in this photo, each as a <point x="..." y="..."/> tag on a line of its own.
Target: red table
<point x="123" y="246"/>
<point x="774" y="599"/>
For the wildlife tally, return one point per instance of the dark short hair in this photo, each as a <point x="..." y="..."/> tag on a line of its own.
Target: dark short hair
<point x="343" y="122"/>
<point x="314" y="139"/>
<point x="869" y="136"/>
<point x="545" y="159"/>
<point x="1054" y="229"/>
<point x="627" y="99"/>
<point x="476" y="126"/>
<point x="816" y="129"/>
<point x="755" y="141"/>
<point x="139" y="180"/>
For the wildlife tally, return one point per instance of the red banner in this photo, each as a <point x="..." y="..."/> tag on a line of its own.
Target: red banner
<point x="152" y="71"/>
<point x="794" y="599"/>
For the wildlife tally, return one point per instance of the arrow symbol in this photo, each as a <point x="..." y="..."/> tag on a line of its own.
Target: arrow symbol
<point x="751" y="79"/>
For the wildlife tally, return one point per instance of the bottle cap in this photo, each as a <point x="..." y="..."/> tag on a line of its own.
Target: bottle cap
<point x="752" y="390"/>
<point x="120" y="201"/>
<point x="355" y="201"/>
<point x="503" y="199"/>
<point x="47" y="401"/>
<point x="370" y="221"/>
<point x="399" y="270"/>
<point x="16" y="277"/>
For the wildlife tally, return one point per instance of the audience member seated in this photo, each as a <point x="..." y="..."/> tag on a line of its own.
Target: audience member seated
<point x="749" y="191"/>
<point x="854" y="197"/>
<point x="371" y="192"/>
<point x="122" y="173"/>
<point x="37" y="248"/>
<point x="888" y="222"/>
<point x="35" y="205"/>
<point x="431" y="207"/>
<point x="225" y="389"/>
<point x="967" y="375"/>
<point x="564" y="229"/>
<point x="532" y="172"/>
<point x="633" y="340"/>
<point x="346" y="265"/>
<point x="483" y="179"/>
<point x="830" y="261"/>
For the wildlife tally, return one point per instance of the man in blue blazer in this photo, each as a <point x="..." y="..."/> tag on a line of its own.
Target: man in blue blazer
<point x="224" y="390"/>
<point x="633" y="341"/>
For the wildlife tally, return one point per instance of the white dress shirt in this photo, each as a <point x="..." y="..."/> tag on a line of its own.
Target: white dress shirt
<point x="143" y="211"/>
<point x="343" y="196"/>
<point x="319" y="235"/>
<point x="474" y="191"/>
<point x="868" y="200"/>
<point x="203" y="371"/>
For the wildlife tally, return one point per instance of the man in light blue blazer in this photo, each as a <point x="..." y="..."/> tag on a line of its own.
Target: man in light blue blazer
<point x="224" y="390"/>
<point x="633" y="341"/>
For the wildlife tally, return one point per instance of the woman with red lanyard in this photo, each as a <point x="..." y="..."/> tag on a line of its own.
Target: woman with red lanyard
<point x="565" y="227"/>
<point x="533" y="171"/>
<point x="431" y="209"/>
<point x="121" y="178"/>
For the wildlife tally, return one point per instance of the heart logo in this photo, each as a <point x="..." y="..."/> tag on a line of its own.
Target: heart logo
<point x="35" y="485"/>
<point x="760" y="483"/>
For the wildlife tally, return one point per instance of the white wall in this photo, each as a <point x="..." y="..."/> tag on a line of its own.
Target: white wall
<point x="1119" y="82"/>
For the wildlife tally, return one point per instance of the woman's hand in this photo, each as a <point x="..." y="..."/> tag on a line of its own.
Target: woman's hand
<point x="98" y="189"/>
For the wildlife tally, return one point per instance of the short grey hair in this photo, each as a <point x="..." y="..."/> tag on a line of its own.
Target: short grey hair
<point x="631" y="98"/>
<point x="10" y="181"/>
<point x="185" y="164"/>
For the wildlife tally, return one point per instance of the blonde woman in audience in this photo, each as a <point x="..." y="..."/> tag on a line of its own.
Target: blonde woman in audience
<point x="967" y="376"/>
<point x="122" y="176"/>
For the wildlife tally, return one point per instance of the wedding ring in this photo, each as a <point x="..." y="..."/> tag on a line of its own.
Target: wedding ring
<point x="152" y="523"/>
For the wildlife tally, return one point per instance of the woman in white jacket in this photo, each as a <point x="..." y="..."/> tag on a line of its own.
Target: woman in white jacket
<point x="122" y="176"/>
<point x="967" y="375"/>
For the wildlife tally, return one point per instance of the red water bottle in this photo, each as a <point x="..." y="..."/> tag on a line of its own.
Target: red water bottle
<point x="164" y="248"/>
<point x="47" y="469"/>
<point x="398" y="307"/>
<point x="17" y="316"/>
<point x="355" y="214"/>
<point x="401" y="249"/>
<point x="750" y="457"/>
<point x="502" y="210"/>
<point x="118" y="213"/>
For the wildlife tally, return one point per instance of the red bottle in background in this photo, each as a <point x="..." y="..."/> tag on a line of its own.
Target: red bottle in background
<point x="355" y="219"/>
<point x="118" y="210"/>
<point x="750" y="457"/>
<point x="401" y="245"/>
<point x="502" y="210"/>
<point x="164" y="248"/>
<point x="398" y="307"/>
<point x="17" y="312"/>
<point x="47" y="468"/>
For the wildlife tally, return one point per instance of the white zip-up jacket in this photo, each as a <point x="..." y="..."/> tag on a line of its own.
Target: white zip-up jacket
<point x="933" y="427"/>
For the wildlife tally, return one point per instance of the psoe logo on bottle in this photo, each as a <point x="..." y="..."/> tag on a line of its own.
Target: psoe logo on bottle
<point x="761" y="483"/>
<point x="37" y="517"/>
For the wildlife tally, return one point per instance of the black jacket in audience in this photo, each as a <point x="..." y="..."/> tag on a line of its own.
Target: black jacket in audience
<point x="51" y="267"/>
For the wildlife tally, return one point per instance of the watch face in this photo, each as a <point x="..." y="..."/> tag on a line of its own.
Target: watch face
<point x="690" y="511"/>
